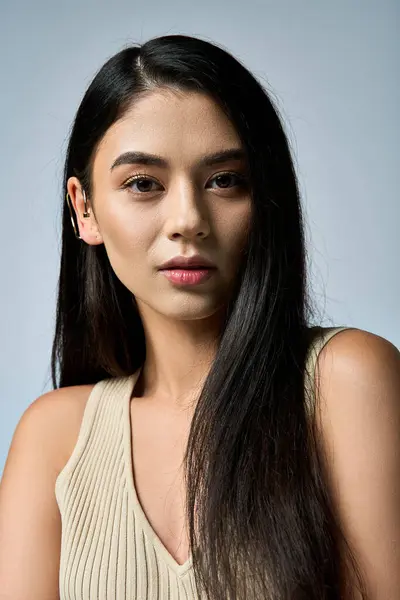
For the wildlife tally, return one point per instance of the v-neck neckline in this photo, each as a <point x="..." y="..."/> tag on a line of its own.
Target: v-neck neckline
<point x="129" y="473"/>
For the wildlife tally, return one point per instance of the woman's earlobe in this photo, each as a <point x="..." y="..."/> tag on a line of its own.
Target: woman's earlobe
<point x="90" y="233"/>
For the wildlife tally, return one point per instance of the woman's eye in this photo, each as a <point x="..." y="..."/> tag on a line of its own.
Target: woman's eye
<point x="143" y="184"/>
<point x="223" y="180"/>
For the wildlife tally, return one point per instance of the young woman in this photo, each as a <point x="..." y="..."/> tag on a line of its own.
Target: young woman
<point x="202" y="439"/>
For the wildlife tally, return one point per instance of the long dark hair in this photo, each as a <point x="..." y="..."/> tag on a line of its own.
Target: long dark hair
<point x="261" y="521"/>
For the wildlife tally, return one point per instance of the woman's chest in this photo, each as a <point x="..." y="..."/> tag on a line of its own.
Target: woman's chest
<point x="158" y="444"/>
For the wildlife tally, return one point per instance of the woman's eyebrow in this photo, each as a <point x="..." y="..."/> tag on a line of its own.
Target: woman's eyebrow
<point x="143" y="158"/>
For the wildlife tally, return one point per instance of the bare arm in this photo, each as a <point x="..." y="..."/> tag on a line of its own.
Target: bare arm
<point x="30" y="527"/>
<point x="360" y="424"/>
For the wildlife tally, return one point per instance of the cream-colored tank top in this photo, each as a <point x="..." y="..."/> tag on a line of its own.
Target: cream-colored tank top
<point x="109" y="550"/>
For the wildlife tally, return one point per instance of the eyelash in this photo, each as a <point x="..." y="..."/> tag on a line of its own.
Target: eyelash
<point x="241" y="178"/>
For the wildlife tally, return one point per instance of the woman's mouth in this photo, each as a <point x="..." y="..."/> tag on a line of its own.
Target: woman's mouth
<point x="188" y="275"/>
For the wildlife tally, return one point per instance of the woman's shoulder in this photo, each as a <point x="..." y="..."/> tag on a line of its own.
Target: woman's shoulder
<point x="356" y="374"/>
<point x="30" y="525"/>
<point x="342" y="350"/>
<point x="59" y="413"/>
<point x="350" y="346"/>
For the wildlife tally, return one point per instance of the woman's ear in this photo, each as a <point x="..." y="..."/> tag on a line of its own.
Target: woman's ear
<point x="87" y="224"/>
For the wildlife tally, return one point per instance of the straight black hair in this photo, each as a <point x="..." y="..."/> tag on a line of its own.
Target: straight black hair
<point x="261" y="521"/>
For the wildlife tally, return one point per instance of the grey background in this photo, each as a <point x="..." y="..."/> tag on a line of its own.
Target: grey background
<point x="333" y="69"/>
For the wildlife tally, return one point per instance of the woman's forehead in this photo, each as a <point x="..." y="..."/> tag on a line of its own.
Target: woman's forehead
<point x="167" y="124"/>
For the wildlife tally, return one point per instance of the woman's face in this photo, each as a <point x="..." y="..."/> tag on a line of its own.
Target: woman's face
<point x="180" y="207"/>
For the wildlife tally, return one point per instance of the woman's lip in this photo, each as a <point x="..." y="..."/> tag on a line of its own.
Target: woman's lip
<point x="192" y="276"/>
<point x="186" y="268"/>
<point x="186" y="262"/>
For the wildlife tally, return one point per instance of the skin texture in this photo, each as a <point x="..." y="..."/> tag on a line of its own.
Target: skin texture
<point x="358" y="401"/>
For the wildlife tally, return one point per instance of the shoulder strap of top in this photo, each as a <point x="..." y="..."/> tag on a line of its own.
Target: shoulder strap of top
<point x="321" y="338"/>
<point x="104" y="391"/>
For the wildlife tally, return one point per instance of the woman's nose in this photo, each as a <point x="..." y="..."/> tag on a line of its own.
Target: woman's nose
<point x="187" y="215"/>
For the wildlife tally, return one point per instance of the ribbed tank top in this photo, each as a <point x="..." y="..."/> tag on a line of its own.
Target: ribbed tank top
<point x="109" y="550"/>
